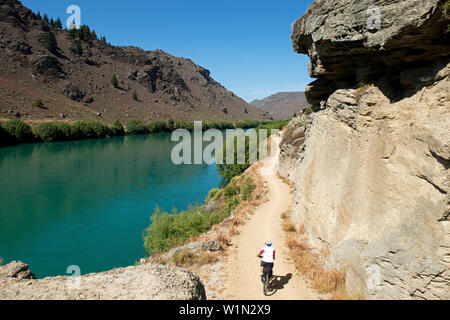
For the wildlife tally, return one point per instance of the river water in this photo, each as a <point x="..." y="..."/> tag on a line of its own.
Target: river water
<point x="86" y="203"/>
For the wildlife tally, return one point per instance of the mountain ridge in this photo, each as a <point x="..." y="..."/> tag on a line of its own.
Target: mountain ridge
<point x="282" y="105"/>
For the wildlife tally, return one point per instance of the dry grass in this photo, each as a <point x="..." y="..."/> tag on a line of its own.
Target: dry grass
<point x="285" y="181"/>
<point x="324" y="281"/>
<point x="188" y="259"/>
<point x="302" y="229"/>
<point x="233" y="231"/>
<point x="158" y="258"/>
<point x="288" y="227"/>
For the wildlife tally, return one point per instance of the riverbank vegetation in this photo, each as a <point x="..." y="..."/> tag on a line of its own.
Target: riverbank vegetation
<point x="169" y="230"/>
<point x="229" y="171"/>
<point x="15" y="131"/>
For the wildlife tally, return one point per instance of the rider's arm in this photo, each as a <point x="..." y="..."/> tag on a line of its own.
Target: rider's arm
<point x="259" y="254"/>
<point x="273" y="254"/>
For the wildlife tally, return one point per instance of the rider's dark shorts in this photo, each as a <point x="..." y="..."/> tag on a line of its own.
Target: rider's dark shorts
<point x="266" y="265"/>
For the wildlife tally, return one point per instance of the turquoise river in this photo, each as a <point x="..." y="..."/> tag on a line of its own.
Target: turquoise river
<point x="86" y="203"/>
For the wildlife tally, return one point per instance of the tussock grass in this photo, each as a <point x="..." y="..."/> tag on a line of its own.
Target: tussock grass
<point x="187" y="259"/>
<point x="288" y="227"/>
<point x="307" y="263"/>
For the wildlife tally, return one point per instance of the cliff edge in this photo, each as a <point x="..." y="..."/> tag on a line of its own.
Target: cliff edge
<point x="143" y="282"/>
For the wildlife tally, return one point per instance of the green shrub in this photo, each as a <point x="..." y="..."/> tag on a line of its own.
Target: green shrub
<point x="231" y="190"/>
<point x="214" y="194"/>
<point x="117" y="129"/>
<point x="171" y="124"/>
<point x="169" y="230"/>
<point x="228" y="171"/>
<point x="78" y="48"/>
<point x="114" y="81"/>
<point x="184" y="125"/>
<point x="308" y="111"/>
<point x="220" y="125"/>
<point x="5" y="137"/>
<point x="99" y="130"/>
<point x="136" y="127"/>
<point x="38" y="103"/>
<point x="157" y="126"/>
<point x="65" y="131"/>
<point x="19" y="131"/>
<point x="82" y="130"/>
<point x="247" y="189"/>
<point x="135" y="96"/>
<point x="47" y="132"/>
<point x="50" y="42"/>
<point x="246" y="124"/>
<point x="231" y="203"/>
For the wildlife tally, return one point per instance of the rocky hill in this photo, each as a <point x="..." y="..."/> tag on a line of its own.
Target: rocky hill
<point x="282" y="105"/>
<point x="371" y="164"/>
<point x="49" y="73"/>
<point x="143" y="282"/>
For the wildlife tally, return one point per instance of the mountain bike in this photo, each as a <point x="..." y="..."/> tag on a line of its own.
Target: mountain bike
<point x="265" y="278"/>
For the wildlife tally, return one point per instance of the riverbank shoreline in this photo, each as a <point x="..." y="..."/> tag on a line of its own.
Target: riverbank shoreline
<point x="15" y="131"/>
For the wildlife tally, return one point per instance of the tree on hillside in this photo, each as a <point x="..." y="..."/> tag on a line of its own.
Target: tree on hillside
<point x="73" y="33"/>
<point x="78" y="48"/>
<point x="50" y="42"/>
<point x="58" y="24"/>
<point x="46" y="18"/>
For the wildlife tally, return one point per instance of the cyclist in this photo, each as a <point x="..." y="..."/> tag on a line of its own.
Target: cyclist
<point x="268" y="257"/>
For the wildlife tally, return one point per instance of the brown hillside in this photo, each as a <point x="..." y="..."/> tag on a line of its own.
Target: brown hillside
<point x="75" y="86"/>
<point x="282" y="105"/>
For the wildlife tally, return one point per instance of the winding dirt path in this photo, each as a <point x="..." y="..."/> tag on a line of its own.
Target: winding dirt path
<point x="242" y="281"/>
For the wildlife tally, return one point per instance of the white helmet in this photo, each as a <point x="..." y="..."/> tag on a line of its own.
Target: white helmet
<point x="268" y="243"/>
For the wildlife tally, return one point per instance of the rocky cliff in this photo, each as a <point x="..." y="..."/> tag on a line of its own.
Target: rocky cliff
<point x="143" y="282"/>
<point x="371" y="164"/>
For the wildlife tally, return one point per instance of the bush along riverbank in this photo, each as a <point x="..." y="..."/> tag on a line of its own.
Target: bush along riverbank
<point x="13" y="132"/>
<point x="228" y="171"/>
<point x="170" y="230"/>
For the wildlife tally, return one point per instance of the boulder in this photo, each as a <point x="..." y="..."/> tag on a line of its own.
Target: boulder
<point x="143" y="282"/>
<point x="17" y="270"/>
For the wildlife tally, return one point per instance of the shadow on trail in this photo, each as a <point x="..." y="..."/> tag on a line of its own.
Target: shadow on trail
<point x="278" y="283"/>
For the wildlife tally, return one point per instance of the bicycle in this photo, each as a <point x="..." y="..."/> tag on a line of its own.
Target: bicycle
<point x="265" y="278"/>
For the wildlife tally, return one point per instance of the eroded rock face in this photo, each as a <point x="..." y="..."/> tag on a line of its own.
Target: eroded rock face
<point x="372" y="180"/>
<point x="143" y="282"/>
<point x="352" y="41"/>
<point x="293" y="145"/>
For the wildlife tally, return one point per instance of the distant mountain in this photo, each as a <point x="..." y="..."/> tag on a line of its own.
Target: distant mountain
<point x="282" y="105"/>
<point x="50" y="73"/>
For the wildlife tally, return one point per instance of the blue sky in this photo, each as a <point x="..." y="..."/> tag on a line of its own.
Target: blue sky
<point x="246" y="44"/>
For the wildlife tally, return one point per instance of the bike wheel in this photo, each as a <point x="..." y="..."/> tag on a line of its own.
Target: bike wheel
<point x="266" y="284"/>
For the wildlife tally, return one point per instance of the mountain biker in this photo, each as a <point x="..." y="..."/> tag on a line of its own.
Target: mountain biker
<point x="268" y="257"/>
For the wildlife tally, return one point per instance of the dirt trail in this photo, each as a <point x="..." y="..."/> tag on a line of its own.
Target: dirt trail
<point x="242" y="281"/>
